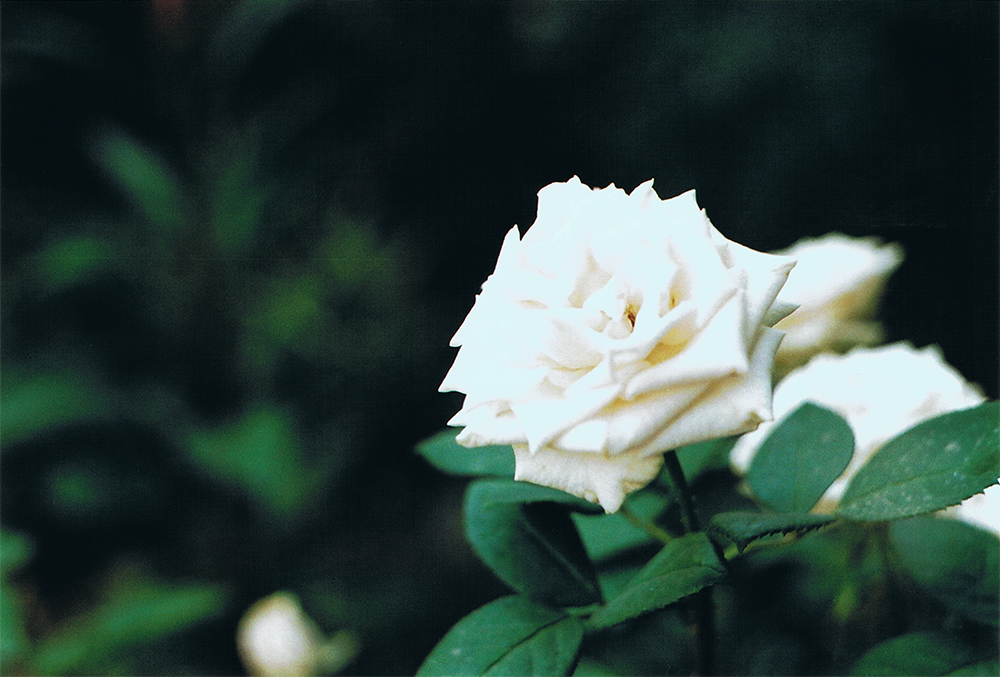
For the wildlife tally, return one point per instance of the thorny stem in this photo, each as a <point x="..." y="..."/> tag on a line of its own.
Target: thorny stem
<point x="704" y="628"/>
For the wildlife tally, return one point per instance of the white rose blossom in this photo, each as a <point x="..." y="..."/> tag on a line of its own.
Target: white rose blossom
<point x="619" y="327"/>
<point x="837" y="286"/>
<point x="880" y="392"/>
<point x="276" y="638"/>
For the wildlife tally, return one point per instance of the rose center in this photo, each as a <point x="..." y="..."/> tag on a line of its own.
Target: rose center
<point x="630" y="312"/>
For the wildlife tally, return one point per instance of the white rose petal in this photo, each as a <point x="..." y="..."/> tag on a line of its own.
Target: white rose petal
<point x="880" y="392"/>
<point x="837" y="285"/>
<point x="618" y="327"/>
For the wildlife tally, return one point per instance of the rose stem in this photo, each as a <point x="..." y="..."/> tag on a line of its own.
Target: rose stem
<point x="688" y="517"/>
<point x="650" y="528"/>
<point x="705" y="621"/>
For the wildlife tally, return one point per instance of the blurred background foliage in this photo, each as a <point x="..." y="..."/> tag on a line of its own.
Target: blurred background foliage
<point x="237" y="237"/>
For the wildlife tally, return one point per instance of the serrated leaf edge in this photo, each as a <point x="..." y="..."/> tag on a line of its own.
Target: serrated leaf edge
<point x="742" y="543"/>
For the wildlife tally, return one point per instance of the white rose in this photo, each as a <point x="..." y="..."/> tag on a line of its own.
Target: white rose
<point x="621" y="326"/>
<point x="276" y="638"/>
<point x="837" y="286"/>
<point x="880" y="392"/>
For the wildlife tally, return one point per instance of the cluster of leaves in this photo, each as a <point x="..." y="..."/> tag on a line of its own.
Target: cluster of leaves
<point x="581" y="577"/>
<point x="197" y="335"/>
<point x="237" y="236"/>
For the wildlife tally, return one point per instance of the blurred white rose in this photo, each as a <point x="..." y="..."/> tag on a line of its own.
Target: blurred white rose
<point x="880" y="392"/>
<point x="837" y="284"/>
<point x="621" y="326"/>
<point x="276" y="638"/>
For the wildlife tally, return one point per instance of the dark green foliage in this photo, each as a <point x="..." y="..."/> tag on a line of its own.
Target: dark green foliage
<point x="237" y="237"/>
<point x="800" y="458"/>
<point x="933" y="465"/>
<point x="696" y="459"/>
<point x="919" y="653"/>
<point x="511" y="636"/>
<point x="955" y="562"/>
<point x="525" y="534"/>
<point x="613" y="534"/>
<point x="683" y="567"/>
<point x="444" y="453"/>
<point x="743" y="528"/>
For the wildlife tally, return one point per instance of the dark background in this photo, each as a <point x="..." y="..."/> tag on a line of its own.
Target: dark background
<point x="237" y="238"/>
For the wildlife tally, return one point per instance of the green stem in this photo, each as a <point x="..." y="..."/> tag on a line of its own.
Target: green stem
<point x="650" y="528"/>
<point x="704" y="628"/>
<point x="683" y="492"/>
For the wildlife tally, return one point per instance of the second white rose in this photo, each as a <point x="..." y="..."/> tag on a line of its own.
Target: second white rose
<point x="880" y="392"/>
<point x="837" y="286"/>
<point x="619" y="327"/>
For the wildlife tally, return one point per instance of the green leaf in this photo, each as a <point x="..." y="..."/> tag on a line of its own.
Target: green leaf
<point x="145" y="178"/>
<point x="610" y="534"/>
<point x="742" y="528"/>
<point x="15" y="551"/>
<point x="918" y="653"/>
<point x="14" y="638"/>
<point x="681" y="568"/>
<point x="140" y="617"/>
<point x="35" y="403"/>
<point x="510" y="636"/>
<point x="236" y="200"/>
<point x="988" y="668"/>
<point x="71" y="261"/>
<point x="696" y="459"/>
<point x="447" y="455"/>
<point x="524" y="533"/>
<point x="801" y="458"/>
<point x="955" y="562"/>
<point x="260" y="454"/>
<point x="933" y="465"/>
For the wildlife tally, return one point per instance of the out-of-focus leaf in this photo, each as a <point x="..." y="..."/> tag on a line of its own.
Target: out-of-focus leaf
<point x="86" y="491"/>
<point x="742" y="528"/>
<point x="444" y="453"/>
<point x="989" y="668"/>
<point x="30" y="404"/>
<point x="696" y="459"/>
<point x="259" y="454"/>
<point x="933" y="465"/>
<point x="70" y="261"/>
<point x="919" y="653"/>
<point x="14" y="638"/>
<point x="957" y="563"/>
<point x="15" y="550"/>
<point x="510" y="636"/>
<point x="609" y="534"/>
<point x="236" y="199"/>
<point x="145" y="178"/>
<point x="524" y="533"/>
<point x="801" y="458"/>
<point x="681" y="568"/>
<point x="138" y="618"/>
